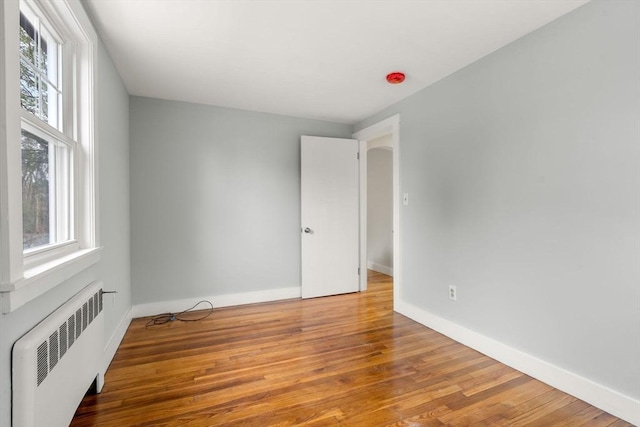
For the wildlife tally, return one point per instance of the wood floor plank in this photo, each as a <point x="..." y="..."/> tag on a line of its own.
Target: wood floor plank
<point x="346" y="360"/>
<point x="602" y="420"/>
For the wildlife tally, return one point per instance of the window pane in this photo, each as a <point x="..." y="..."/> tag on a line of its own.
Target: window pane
<point x="39" y="70"/>
<point x="27" y="39"/>
<point x="53" y="104"/>
<point x="46" y="191"/>
<point x="44" y="91"/>
<point x="49" y="56"/>
<point x="29" y="94"/>
<point x="35" y="191"/>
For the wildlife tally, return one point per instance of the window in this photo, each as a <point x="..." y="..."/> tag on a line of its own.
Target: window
<point x="47" y="147"/>
<point x="40" y="68"/>
<point x="46" y="188"/>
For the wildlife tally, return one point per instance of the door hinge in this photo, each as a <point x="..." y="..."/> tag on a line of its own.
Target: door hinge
<point x="358" y="271"/>
<point x="358" y="156"/>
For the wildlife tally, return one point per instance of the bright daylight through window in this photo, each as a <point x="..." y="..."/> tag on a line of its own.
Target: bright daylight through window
<point x="46" y="150"/>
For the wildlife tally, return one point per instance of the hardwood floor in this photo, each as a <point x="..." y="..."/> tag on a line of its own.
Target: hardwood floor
<point x="346" y="360"/>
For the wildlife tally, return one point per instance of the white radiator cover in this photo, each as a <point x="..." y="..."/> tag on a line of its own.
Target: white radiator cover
<point x="55" y="363"/>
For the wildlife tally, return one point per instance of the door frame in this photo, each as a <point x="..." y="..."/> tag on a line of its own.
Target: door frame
<point x="388" y="126"/>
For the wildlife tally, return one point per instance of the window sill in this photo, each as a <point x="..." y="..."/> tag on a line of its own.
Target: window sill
<point x="42" y="278"/>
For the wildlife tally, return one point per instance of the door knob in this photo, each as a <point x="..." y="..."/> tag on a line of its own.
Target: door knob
<point x="308" y="230"/>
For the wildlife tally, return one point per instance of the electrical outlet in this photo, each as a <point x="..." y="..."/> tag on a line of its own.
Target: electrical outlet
<point x="453" y="294"/>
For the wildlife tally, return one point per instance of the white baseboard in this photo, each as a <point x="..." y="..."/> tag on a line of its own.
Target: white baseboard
<point x="591" y="392"/>
<point x="227" y="300"/>
<point x="380" y="268"/>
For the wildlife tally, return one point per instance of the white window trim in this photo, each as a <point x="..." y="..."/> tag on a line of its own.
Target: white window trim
<point x="19" y="282"/>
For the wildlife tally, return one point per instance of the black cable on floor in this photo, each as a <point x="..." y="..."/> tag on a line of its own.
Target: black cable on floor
<point x="161" y="319"/>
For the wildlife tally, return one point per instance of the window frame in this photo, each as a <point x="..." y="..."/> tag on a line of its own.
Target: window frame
<point x="25" y="276"/>
<point x="62" y="181"/>
<point x="33" y="12"/>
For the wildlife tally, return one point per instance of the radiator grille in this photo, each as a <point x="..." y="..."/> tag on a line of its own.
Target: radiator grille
<point x="71" y="323"/>
<point x="85" y="317"/>
<point x="63" y="339"/>
<point x="78" y="322"/>
<point x="53" y="349"/>
<point x="43" y="363"/>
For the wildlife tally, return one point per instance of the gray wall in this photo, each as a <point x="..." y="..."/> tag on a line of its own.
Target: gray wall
<point x="523" y="175"/>
<point x="380" y="207"/>
<point x="215" y="204"/>
<point x="113" y="207"/>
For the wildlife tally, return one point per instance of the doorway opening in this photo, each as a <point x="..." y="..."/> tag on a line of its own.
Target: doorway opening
<point x="380" y="205"/>
<point x="381" y="143"/>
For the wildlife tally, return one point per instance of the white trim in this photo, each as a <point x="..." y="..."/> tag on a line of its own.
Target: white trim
<point x="40" y="279"/>
<point x="384" y="269"/>
<point x="87" y="221"/>
<point x="391" y="126"/>
<point x="112" y="346"/>
<point x="226" y="300"/>
<point x="11" y="257"/>
<point x="362" y="205"/>
<point x="583" y="388"/>
<point x="384" y="143"/>
<point x="42" y="255"/>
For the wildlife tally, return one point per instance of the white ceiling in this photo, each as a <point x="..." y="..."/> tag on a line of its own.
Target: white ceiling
<point x="323" y="59"/>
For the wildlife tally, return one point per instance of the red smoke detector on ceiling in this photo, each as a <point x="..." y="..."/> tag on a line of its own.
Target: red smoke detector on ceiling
<point x="395" y="78"/>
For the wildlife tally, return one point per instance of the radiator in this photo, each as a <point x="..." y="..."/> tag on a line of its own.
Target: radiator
<point x="55" y="363"/>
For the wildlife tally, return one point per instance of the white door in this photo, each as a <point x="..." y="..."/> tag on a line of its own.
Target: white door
<point x="330" y="216"/>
